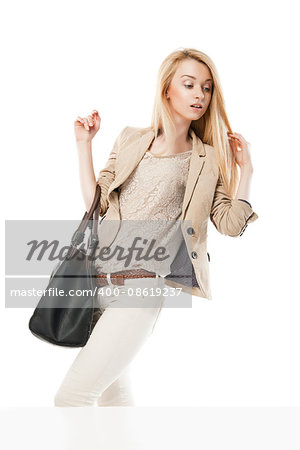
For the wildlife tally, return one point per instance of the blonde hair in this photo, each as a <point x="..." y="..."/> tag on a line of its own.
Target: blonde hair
<point x="211" y="128"/>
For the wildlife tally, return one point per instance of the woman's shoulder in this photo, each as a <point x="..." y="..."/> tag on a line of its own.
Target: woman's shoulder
<point x="129" y="133"/>
<point x="128" y="130"/>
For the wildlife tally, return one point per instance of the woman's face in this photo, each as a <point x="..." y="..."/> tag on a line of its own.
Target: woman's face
<point x="191" y="83"/>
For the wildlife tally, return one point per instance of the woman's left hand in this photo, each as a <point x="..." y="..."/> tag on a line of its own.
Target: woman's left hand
<point x="240" y="148"/>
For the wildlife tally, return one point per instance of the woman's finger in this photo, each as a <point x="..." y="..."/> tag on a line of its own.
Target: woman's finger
<point x="237" y="141"/>
<point x="86" y="125"/>
<point x="240" y="138"/>
<point x="90" y="121"/>
<point x="239" y="135"/>
<point x="95" y="116"/>
<point x="233" y="144"/>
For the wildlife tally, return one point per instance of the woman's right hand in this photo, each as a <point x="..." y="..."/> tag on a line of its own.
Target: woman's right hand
<point x="86" y="127"/>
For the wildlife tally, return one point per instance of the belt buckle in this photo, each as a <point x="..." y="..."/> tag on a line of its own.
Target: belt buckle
<point x="117" y="282"/>
<point x="110" y="283"/>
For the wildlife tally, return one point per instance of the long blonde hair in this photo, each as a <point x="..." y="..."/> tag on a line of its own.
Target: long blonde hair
<point x="211" y="128"/>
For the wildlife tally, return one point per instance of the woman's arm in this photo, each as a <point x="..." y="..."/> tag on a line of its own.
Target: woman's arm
<point x="85" y="130"/>
<point x="232" y="216"/>
<point x="86" y="172"/>
<point x="243" y="191"/>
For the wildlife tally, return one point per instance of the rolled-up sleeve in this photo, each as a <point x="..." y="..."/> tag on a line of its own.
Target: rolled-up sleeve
<point x="107" y="175"/>
<point x="230" y="216"/>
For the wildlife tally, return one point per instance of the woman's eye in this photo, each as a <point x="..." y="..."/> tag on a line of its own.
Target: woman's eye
<point x="190" y="86"/>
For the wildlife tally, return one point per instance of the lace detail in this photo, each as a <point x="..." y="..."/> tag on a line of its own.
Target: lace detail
<point x="155" y="189"/>
<point x="168" y="156"/>
<point x="150" y="207"/>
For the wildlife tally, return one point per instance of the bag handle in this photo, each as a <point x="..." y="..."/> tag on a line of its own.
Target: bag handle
<point x="94" y="239"/>
<point x="78" y="236"/>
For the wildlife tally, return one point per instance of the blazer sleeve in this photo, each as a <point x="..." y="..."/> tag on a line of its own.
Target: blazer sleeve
<point x="107" y="175"/>
<point x="230" y="216"/>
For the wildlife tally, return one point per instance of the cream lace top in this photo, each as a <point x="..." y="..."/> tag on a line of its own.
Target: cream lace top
<point x="150" y="205"/>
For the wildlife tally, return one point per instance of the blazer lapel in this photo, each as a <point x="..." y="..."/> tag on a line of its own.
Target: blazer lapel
<point x="196" y="164"/>
<point x="133" y="155"/>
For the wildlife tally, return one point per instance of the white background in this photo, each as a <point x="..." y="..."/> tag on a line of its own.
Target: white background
<point x="63" y="59"/>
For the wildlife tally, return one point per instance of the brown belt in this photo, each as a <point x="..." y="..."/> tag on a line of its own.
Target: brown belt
<point x="118" y="277"/>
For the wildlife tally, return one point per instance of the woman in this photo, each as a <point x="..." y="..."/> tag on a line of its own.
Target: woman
<point x="175" y="174"/>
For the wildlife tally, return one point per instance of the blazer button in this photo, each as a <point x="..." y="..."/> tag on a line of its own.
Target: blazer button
<point x="190" y="230"/>
<point x="194" y="255"/>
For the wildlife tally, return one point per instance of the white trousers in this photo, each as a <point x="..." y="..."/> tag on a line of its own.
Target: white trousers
<point x="100" y="374"/>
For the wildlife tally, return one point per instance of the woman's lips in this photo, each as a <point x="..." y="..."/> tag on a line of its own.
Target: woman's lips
<point x="195" y="108"/>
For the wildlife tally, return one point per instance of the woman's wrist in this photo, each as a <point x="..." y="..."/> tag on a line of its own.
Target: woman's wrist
<point x="247" y="168"/>
<point x="84" y="145"/>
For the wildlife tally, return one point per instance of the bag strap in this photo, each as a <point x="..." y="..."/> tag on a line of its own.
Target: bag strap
<point x="94" y="239"/>
<point x="78" y="236"/>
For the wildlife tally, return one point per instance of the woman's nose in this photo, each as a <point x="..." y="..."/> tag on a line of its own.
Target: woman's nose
<point x="200" y="94"/>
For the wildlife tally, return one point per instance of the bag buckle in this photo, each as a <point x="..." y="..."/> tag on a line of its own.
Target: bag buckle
<point x="77" y="237"/>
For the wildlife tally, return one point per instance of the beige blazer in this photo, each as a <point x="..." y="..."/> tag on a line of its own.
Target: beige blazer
<point x="204" y="198"/>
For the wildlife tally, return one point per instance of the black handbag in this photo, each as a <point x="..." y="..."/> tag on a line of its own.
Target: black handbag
<point x="70" y="325"/>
